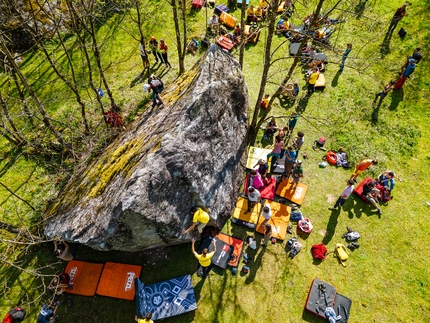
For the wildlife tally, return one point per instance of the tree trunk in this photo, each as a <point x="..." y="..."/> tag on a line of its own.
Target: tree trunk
<point x="242" y="33"/>
<point x="178" y="36"/>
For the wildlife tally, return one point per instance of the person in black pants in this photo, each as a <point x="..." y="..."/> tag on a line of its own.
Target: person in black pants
<point x="163" y="50"/>
<point x="153" y="43"/>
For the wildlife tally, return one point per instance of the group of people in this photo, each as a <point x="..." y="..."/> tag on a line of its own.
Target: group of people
<point x="158" y="50"/>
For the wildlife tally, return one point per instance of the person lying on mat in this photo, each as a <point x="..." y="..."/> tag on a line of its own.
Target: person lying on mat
<point x="204" y="259"/>
<point x="62" y="250"/>
<point x="59" y="283"/>
<point x="146" y="319"/>
<point x="253" y="198"/>
<point x="255" y="179"/>
<point x="200" y="219"/>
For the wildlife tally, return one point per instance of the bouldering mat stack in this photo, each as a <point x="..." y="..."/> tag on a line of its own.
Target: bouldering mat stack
<point x="255" y="154"/>
<point x="248" y="220"/>
<point x="226" y="43"/>
<point x="223" y="251"/>
<point x="266" y="191"/>
<point x="278" y="221"/>
<point x="84" y="277"/>
<point x="359" y="189"/>
<point x="295" y="194"/>
<point x="321" y="295"/>
<point x="117" y="280"/>
<point x="237" y="245"/>
<point x="165" y="299"/>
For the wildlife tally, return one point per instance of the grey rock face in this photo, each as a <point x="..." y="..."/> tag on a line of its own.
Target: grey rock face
<point x="191" y="152"/>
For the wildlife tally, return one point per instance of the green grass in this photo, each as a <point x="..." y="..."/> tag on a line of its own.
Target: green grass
<point x="387" y="278"/>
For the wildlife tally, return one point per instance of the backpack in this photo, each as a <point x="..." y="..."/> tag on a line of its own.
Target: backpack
<point x="296" y="215"/>
<point x="294" y="245"/>
<point x="352" y="236"/>
<point x="7" y="319"/>
<point x="319" y="251"/>
<point x="157" y="85"/>
<point x="18" y="314"/>
<point x="341" y="253"/>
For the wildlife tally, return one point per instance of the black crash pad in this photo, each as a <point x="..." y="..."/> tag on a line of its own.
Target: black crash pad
<point x="223" y="252"/>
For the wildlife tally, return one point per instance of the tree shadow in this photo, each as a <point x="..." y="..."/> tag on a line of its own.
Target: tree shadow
<point x="397" y="96"/>
<point x="358" y="208"/>
<point x="375" y="113"/>
<point x="385" y="46"/>
<point x="335" y="80"/>
<point x="302" y="104"/>
<point x="359" y="8"/>
<point x="331" y="226"/>
<point x="286" y="102"/>
<point x="312" y="318"/>
<point x="255" y="264"/>
<point x="138" y="79"/>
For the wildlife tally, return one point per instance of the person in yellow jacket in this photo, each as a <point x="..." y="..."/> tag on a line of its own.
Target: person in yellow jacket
<point x="204" y="258"/>
<point x="200" y="219"/>
<point x="147" y="319"/>
<point x="312" y="80"/>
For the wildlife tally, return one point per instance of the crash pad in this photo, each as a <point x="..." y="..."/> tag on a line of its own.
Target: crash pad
<point x="117" y="280"/>
<point x="223" y="251"/>
<point x="321" y="295"/>
<point x="278" y="221"/>
<point x="255" y="154"/>
<point x="166" y="298"/>
<point x="295" y="194"/>
<point x="237" y="245"/>
<point x="84" y="277"/>
<point x="266" y="191"/>
<point x="359" y="189"/>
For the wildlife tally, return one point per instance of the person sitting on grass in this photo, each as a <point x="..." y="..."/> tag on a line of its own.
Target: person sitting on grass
<point x="386" y="179"/>
<point x="237" y="34"/>
<point x="200" y="219"/>
<point x="372" y="194"/>
<point x="251" y="17"/>
<point x="204" y="258"/>
<point x="146" y="319"/>
<point x="59" y="284"/>
<point x="271" y="129"/>
<point x="283" y="26"/>
<point x="214" y="24"/>
<point x="47" y="314"/>
<point x="265" y="102"/>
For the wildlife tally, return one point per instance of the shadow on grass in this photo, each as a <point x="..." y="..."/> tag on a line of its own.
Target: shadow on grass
<point x="375" y="114"/>
<point x="255" y="264"/>
<point x="358" y="208"/>
<point x="385" y="46"/>
<point x="302" y="104"/>
<point x="359" y="8"/>
<point x="397" y="96"/>
<point x="335" y="80"/>
<point x="331" y="226"/>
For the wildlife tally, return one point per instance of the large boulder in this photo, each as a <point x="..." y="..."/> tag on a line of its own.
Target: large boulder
<point x="138" y="193"/>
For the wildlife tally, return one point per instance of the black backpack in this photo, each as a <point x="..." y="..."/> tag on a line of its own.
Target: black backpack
<point x="157" y="85"/>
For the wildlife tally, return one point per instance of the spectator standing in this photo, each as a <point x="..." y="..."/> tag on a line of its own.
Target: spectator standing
<point x="200" y="219"/>
<point x="163" y="50"/>
<point x="267" y="214"/>
<point x="299" y="141"/>
<point x="154" y="48"/>
<point x="398" y="15"/>
<point x="405" y="74"/>
<point x="267" y="235"/>
<point x="416" y="55"/>
<point x="143" y="54"/>
<point x="345" y="56"/>
<point x="312" y="80"/>
<point x="253" y="198"/>
<point x="276" y="152"/>
<point x="290" y="158"/>
<point x="204" y="258"/>
<point x="361" y="167"/>
<point x="344" y="195"/>
<point x="292" y="121"/>
<point x="297" y="172"/>
<point x="382" y="94"/>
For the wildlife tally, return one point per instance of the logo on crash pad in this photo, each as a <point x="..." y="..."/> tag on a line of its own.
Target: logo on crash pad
<point x="129" y="281"/>
<point x="298" y="193"/>
<point x="157" y="300"/>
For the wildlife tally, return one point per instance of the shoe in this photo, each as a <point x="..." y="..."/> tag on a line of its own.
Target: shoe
<point x="314" y="147"/>
<point x="69" y="303"/>
<point x="290" y="229"/>
<point x="379" y="211"/>
<point x="355" y="181"/>
<point x="332" y="208"/>
<point x="355" y="244"/>
<point x="348" y="229"/>
<point x="350" y="246"/>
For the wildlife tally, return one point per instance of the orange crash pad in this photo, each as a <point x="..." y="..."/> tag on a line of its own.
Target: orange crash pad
<point x="84" y="277"/>
<point x="118" y="280"/>
<point x="278" y="221"/>
<point x="228" y="19"/>
<point x="294" y="194"/>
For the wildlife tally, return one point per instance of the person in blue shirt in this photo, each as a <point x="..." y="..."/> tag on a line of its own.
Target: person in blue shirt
<point x="290" y="158"/>
<point x="47" y="314"/>
<point x="345" y="56"/>
<point x="405" y="74"/>
<point x="387" y="180"/>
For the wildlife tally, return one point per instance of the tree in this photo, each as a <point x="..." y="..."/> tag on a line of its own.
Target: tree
<point x="181" y="44"/>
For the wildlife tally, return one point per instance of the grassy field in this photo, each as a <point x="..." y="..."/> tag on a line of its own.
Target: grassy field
<point x="387" y="278"/>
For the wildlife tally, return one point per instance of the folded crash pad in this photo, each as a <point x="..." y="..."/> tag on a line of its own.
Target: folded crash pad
<point x="165" y="299"/>
<point x="342" y="307"/>
<point x="223" y="251"/>
<point x="295" y="194"/>
<point x="255" y="154"/>
<point x="237" y="245"/>
<point x="84" y="277"/>
<point x="321" y="295"/>
<point x="359" y="189"/>
<point x="266" y="191"/>
<point x="117" y="280"/>
<point x="278" y="221"/>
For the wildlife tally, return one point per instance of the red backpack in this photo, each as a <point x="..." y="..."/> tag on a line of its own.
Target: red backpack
<point x="319" y="251"/>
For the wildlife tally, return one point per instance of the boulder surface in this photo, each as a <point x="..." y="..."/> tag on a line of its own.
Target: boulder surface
<point x="138" y="193"/>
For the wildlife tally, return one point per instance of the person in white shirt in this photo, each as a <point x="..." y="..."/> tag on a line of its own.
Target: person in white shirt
<point x="267" y="214"/>
<point x="345" y="194"/>
<point x="253" y="198"/>
<point x="214" y="24"/>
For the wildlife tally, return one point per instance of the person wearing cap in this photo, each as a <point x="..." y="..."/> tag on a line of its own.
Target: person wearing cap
<point x="163" y="50"/>
<point x="344" y="195"/>
<point x="361" y="167"/>
<point x="153" y="43"/>
<point x="267" y="214"/>
<point x="382" y="94"/>
<point x="398" y="15"/>
<point x="297" y="172"/>
<point x="253" y="198"/>
<point x="200" y="219"/>
<point x="405" y="74"/>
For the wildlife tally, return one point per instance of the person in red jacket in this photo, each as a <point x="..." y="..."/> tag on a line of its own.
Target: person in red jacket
<point x="163" y="51"/>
